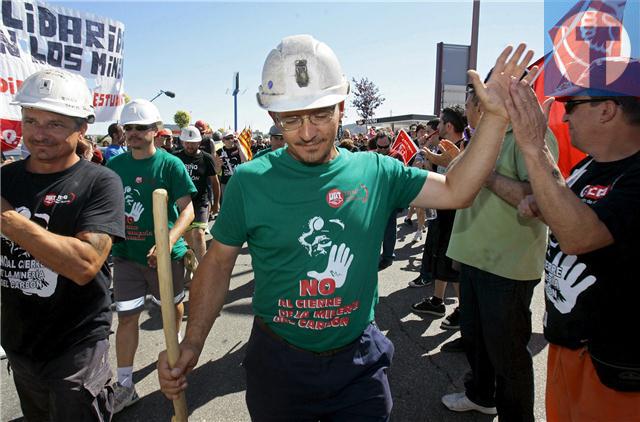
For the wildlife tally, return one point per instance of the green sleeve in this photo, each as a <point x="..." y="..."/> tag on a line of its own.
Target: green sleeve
<point x="230" y="227"/>
<point x="404" y="182"/>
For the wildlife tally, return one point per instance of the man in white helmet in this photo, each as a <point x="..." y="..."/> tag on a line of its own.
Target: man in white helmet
<point x="276" y="141"/>
<point x="202" y="170"/>
<point x="60" y="215"/>
<point x="143" y="169"/>
<point x="313" y="218"/>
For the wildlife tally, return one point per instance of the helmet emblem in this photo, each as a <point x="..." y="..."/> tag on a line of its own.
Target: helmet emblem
<point x="270" y="84"/>
<point x="45" y="86"/>
<point x="302" y="76"/>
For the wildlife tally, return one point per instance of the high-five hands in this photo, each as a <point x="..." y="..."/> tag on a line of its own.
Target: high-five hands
<point x="508" y="68"/>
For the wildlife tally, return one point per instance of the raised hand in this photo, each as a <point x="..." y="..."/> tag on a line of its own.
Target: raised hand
<point x="449" y="152"/>
<point x="528" y="118"/>
<point x="135" y="213"/>
<point x="338" y="266"/>
<point x="508" y="66"/>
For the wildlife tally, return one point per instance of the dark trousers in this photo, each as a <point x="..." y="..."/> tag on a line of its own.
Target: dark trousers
<point x="71" y="387"/>
<point x="495" y="321"/>
<point x="389" y="241"/>
<point x="289" y="384"/>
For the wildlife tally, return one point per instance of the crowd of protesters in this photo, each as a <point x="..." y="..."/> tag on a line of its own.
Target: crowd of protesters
<point x="484" y="186"/>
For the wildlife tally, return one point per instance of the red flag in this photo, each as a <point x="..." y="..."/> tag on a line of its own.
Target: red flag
<point x="245" y="142"/>
<point x="10" y="133"/>
<point x="568" y="154"/>
<point x="404" y="147"/>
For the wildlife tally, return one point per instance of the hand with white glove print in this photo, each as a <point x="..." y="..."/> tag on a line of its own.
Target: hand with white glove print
<point x="566" y="285"/>
<point x="338" y="266"/>
<point x="136" y="212"/>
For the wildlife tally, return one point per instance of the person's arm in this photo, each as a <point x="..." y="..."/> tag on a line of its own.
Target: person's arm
<point x="208" y="290"/>
<point x="467" y="174"/>
<point x="574" y="224"/>
<point x="215" y="188"/>
<point x="510" y="190"/>
<point x="78" y="258"/>
<point x="182" y="223"/>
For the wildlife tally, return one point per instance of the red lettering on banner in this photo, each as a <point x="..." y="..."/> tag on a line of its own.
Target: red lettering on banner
<point x="10" y="85"/>
<point x="107" y="100"/>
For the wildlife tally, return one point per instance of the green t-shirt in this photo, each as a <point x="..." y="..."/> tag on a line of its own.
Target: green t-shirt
<point x="139" y="179"/>
<point x="262" y="152"/>
<point x="491" y="236"/>
<point x="314" y="234"/>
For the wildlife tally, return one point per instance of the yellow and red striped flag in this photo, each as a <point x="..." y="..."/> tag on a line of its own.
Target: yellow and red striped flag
<point x="245" y="142"/>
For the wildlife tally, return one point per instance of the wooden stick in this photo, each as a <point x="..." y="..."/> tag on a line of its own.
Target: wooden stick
<point x="163" y="254"/>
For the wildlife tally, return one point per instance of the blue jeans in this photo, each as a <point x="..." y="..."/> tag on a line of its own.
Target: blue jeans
<point x="495" y="322"/>
<point x="389" y="241"/>
<point x="285" y="383"/>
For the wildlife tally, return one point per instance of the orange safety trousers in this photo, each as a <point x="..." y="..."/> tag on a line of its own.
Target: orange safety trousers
<point x="575" y="393"/>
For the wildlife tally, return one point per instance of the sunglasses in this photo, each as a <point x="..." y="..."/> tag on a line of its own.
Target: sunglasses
<point x="383" y="146"/>
<point x="571" y="104"/>
<point x="139" y="128"/>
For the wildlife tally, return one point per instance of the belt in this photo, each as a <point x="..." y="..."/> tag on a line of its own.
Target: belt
<point x="265" y="329"/>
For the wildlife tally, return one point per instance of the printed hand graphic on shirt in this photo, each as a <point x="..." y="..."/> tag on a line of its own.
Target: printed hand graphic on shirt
<point x="565" y="282"/>
<point x="135" y="213"/>
<point x="24" y="272"/>
<point x="338" y="266"/>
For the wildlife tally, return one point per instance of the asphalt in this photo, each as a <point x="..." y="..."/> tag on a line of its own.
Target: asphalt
<point x="419" y="376"/>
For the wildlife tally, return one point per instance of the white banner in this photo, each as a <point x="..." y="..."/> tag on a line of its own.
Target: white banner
<point x="35" y="35"/>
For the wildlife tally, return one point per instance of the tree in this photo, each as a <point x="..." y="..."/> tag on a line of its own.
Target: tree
<point x="367" y="97"/>
<point x="182" y="118"/>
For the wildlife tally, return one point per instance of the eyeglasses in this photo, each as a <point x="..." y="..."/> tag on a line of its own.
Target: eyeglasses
<point x="318" y="118"/>
<point x="571" y="104"/>
<point x="277" y="137"/>
<point x="139" y="128"/>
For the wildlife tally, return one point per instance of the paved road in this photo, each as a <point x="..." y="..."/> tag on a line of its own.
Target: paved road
<point x="420" y="374"/>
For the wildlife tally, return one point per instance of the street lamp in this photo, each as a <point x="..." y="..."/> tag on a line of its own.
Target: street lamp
<point x="169" y="94"/>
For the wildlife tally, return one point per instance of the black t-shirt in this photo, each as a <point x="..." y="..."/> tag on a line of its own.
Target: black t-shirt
<point x="594" y="297"/>
<point x="45" y="314"/>
<point x="200" y="168"/>
<point x="230" y="160"/>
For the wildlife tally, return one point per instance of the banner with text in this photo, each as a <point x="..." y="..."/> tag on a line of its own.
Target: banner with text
<point x="35" y="35"/>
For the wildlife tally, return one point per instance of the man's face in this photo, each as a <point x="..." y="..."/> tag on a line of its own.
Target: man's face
<point x="420" y="132"/>
<point x="277" y="142"/>
<point x="443" y="129"/>
<point x="228" y="142"/>
<point x="383" y="144"/>
<point x="580" y="119"/>
<point x="140" y="136"/>
<point x="191" y="148"/>
<point x="312" y="141"/>
<point x="50" y="137"/>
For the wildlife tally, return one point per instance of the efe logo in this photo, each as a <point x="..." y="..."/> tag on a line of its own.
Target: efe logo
<point x="594" y="192"/>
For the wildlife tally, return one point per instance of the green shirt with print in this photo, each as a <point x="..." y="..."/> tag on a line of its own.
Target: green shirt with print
<point x="491" y="236"/>
<point x="314" y="234"/>
<point x="139" y="179"/>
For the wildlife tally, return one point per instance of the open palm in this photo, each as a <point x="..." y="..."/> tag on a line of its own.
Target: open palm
<point x="496" y="91"/>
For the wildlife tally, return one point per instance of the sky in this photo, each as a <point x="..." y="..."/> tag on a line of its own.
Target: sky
<point x="193" y="48"/>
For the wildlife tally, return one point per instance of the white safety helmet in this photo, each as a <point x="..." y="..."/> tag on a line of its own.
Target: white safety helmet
<point x="57" y="91"/>
<point x="140" y="112"/>
<point x="190" y="134"/>
<point x="301" y="73"/>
